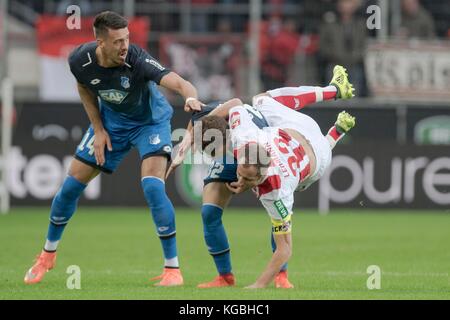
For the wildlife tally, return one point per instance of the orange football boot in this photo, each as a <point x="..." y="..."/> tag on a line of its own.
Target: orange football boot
<point x="44" y="262"/>
<point x="170" y="277"/>
<point x="282" y="281"/>
<point x="223" y="280"/>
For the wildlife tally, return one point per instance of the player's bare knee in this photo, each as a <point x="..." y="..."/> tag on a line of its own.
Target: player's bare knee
<point x="82" y="172"/>
<point x="82" y="177"/>
<point x="154" y="166"/>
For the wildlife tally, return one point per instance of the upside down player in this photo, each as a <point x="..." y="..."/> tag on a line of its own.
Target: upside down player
<point x="270" y="110"/>
<point x="117" y="83"/>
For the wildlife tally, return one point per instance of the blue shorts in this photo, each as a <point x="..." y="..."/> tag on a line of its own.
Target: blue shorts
<point x="221" y="171"/>
<point x="150" y="140"/>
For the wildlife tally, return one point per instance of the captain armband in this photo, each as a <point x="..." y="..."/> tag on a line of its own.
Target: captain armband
<point x="282" y="226"/>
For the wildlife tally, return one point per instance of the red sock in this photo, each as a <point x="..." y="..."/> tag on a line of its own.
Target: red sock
<point x="333" y="136"/>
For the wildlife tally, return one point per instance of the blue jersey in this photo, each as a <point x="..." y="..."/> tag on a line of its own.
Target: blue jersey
<point x="133" y="110"/>
<point x="128" y="95"/>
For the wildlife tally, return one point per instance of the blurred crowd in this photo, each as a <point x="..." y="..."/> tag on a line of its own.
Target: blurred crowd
<point x="321" y="32"/>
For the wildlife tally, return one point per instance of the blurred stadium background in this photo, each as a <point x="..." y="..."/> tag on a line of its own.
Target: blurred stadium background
<point x="397" y="157"/>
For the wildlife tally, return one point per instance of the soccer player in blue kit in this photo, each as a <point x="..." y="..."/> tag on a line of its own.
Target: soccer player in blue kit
<point x="117" y="83"/>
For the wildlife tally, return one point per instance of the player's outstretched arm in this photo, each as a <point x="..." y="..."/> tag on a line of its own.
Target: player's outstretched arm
<point x="279" y="257"/>
<point x="223" y="110"/>
<point x="181" y="149"/>
<point x="101" y="136"/>
<point x="184" y="88"/>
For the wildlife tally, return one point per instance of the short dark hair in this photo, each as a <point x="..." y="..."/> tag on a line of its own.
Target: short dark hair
<point x="108" y="20"/>
<point x="214" y="122"/>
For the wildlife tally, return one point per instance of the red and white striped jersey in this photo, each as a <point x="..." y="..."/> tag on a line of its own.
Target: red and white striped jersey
<point x="289" y="163"/>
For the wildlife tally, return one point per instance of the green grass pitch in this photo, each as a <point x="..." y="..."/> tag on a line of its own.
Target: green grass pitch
<point x="118" y="251"/>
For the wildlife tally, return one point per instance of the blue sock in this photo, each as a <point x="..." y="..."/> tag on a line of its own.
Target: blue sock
<point x="63" y="207"/>
<point x="163" y="215"/>
<point x="216" y="237"/>
<point x="274" y="247"/>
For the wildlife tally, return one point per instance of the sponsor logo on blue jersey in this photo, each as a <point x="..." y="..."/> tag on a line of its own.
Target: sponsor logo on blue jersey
<point x="125" y="82"/>
<point x="112" y="95"/>
<point x="154" y="139"/>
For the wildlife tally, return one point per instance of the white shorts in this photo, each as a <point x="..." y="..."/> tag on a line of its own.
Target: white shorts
<point x="278" y="115"/>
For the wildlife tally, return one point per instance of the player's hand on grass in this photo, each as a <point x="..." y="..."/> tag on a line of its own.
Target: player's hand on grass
<point x="101" y="141"/>
<point x="254" y="286"/>
<point x="193" y="104"/>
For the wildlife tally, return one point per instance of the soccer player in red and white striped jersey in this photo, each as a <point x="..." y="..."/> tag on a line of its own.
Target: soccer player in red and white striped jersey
<point x="292" y="153"/>
<point x="287" y="153"/>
